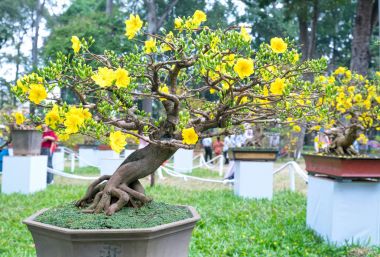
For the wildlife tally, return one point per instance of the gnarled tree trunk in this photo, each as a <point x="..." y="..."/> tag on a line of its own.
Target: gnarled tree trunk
<point x="111" y="193"/>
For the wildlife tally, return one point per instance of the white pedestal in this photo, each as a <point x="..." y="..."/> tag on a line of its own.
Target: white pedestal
<point x="108" y="166"/>
<point x="87" y="157"/>
<point x="24" y="174"/>
<point x="59" y="159"/>
<point x="254" y="179"/>
<point x="128" y="152"/>
<point x="183" y="161"/>
<point x="344" y="211"/>
<point x="106" y="154"/>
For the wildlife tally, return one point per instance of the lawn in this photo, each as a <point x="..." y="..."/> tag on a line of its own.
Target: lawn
<point x="230" y="226"/>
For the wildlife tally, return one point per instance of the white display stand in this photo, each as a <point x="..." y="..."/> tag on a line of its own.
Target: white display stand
<point x="183" y="161"/>
<point x="24" y="174"/>
<point x="109" y="165"/>
<point x="128" y="152"/>
<point x="254" y="179"/>
<point x="106" y="154"/>
<point x="59" y="159"/>
<point x="87" y="157"/>
<point x="344" y="211"/>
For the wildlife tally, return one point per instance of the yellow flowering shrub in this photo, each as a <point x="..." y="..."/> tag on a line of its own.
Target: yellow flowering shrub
<point x="177" y="70"/>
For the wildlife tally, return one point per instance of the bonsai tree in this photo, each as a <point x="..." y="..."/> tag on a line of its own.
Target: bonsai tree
<point x="348" y="107"/>
<point x="201" y="79"/>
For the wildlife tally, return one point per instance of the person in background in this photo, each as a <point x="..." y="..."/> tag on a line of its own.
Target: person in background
<point x="49" y="139"/>
<point x="218" y="146"/>
<point x="206" y="143"/>
<point x="227" y="144"/>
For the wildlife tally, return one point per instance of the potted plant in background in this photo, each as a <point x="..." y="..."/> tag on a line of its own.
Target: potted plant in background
<point x="344" y="185"/>
<point x="25" y="171"/>
<point x="173" y="69"/>
<point x="253" y="164"/>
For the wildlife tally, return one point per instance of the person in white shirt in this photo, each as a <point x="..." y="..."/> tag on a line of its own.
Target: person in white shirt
<point x="207" y="143"/>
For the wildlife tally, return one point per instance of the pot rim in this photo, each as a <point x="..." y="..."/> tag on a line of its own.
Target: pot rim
<point x="340" y="157"/>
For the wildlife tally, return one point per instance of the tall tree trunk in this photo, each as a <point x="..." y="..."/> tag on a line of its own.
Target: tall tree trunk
<point x="123" y="187"/>
<point x="109" y="8"/>
<point x="362" y="31"/>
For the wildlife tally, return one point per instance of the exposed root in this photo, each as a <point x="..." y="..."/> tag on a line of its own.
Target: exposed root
<point x="110" y="199"/>
<point x="92" y="190"/>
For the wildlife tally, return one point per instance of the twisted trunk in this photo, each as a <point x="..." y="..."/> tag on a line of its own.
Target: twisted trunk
<point x="342" y="142"/>
<point x="111" y="193"/>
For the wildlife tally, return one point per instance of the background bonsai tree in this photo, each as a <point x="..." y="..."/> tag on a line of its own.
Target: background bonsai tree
<point x="200" y="78"/>
<point x="348" y="107"/>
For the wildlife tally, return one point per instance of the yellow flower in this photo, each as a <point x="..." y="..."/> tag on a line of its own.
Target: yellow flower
<point x="225" y="86"/>
<point x="52" y="117"/>
<point x="296" y="58"/>
<point x="297" y="128"/>
<point x="63" y="137"/>
<point x="76" y="44"/>
<point x="118" y="140"/>
<point x="37" y="93"/>
<point x="244" y="100"/>
<point x="229" y="59"/>
<point x="122" y="78"/>
<point x="363" y="139"/>
<point x="178" y="22"/>
<point x="190" y="137"/>
<point x="132" y="26"/>
<point x="163" y="89"/>
<point x="212" y="90"/>
<point x="19" y="117"/>
<point x="277" y="87"/>
<point x="150" y="46"/>
<point x="244" y="67"/>
<point x="72" y="124"/>
<point x="199" y="17"/>
<point x="358" y="98"/>
<point x="245" y="35"/>
<point x="340" y="71"/>
<point x="104" y="77"/>
<point x="22" y="86"/>
<point x="278" y="45"/>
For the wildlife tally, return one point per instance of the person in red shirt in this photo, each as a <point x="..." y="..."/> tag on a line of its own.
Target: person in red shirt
<point x="218" y="146"/>
<point x="49" y="139"/>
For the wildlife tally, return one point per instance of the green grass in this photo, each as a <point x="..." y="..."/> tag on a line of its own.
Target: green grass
<point x="205" y="173"/>
<point x="230" y="226"/>
<point x="88" y="170"/>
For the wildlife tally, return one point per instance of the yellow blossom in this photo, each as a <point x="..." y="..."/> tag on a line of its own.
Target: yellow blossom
<point x="150" y="46"/>
<point x="245" y="35"/>
<point x="63" y="137"/>
<point x="19" y="117"/>
<point x="229" y="59"/>
<point x="277" y="87"/>
<point x="104" y="77"/>
<point x="37" y="93"/>
<point x="75" y="44"/>
<point x="118" y="140"/>
<point x="363" y="139"/>
<point x="52" y="118"/>
<point x="199" y="17"/>
<point x="178" y="23"/>
<point x="21" y="85"/>
<point x="244" y="67"/>
<point x="72" y="124"/>
<point x="163" y="89"/>
<point x="212" y="90"/>
<point x="122" y="78"/>
<point x="132" y="26"/>
<point x="278" y="45"/>
<point x="190" y="137"/>
<point x="297" y="128"/>
<point x="340" y="71"/>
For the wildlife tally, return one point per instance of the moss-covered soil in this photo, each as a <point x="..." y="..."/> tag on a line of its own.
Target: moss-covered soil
<point x="150" y="215"/>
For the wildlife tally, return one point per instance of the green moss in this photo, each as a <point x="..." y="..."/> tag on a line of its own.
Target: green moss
<point x="150" y="215"/>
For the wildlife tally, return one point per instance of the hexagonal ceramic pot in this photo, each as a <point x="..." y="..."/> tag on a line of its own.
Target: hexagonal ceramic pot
<point x="169" y="240"/>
